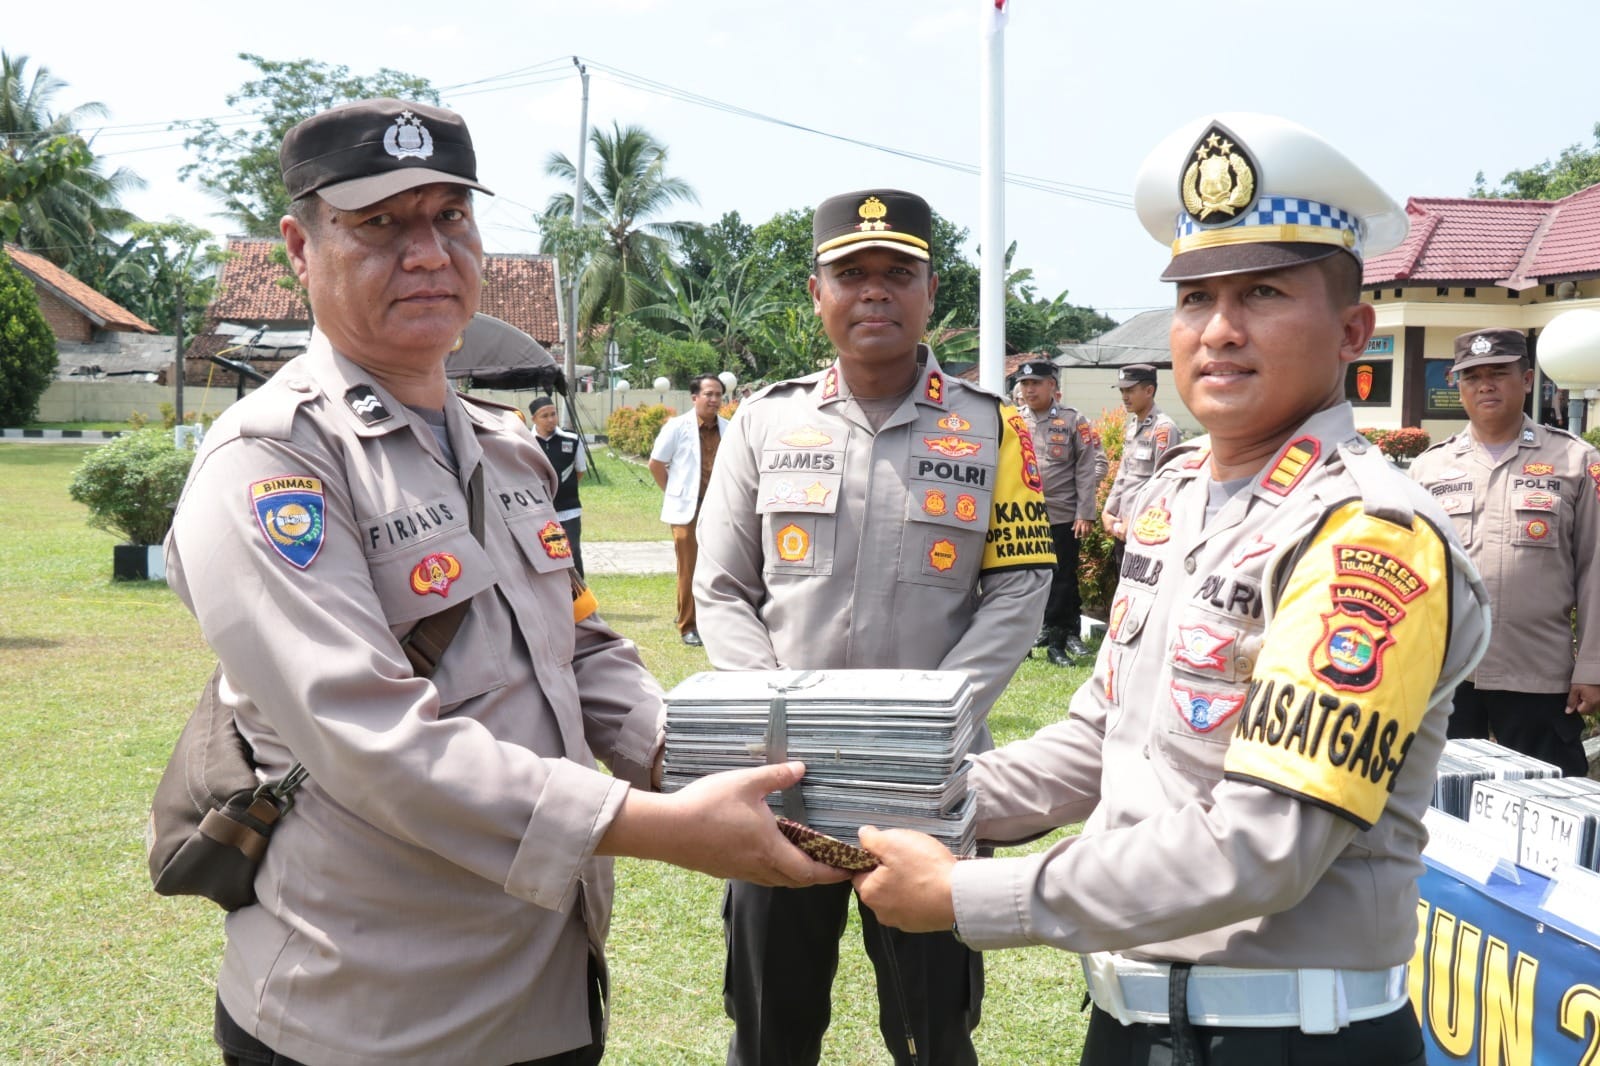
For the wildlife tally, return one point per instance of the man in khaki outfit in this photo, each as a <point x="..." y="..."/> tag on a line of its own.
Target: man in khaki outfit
<point x="441" y="890"/>
<point x="1071" y="464"/>
<point x="879" y="513"/>
<point x="1257" y="745"/>
<point x="1148" y="435"/>
<point x="1523" y="499"/>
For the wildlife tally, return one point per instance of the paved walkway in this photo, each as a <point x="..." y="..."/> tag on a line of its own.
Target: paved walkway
<point x="628" y="557"/>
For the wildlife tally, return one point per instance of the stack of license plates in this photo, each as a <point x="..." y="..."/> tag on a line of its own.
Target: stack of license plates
<point x="881" y="747"/>
<point x="1465" y="762"/>
<point x="1542" y="822"/>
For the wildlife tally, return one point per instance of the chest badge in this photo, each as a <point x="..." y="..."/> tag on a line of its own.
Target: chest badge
<point x="966" y="508"/>
<point x="1154" y="526"/>
<point x="1249" y="550"/>
<point x="954" y="423"/>
<point x="435" y="574"/>
<point x="1538" y="469"/>
<point x="1201" y="649"/>
<point x="1203" y="711"/>
<point x="805" y="437"/>
<point x="933" y="502"/>
<point x="1119" y="612"/>
<point x="952" y="447"/>
<point x="942" y="555"/>
<point x="553" y="538"/>
<point x="1537" y="529"/>
<point x="794" y="543"/>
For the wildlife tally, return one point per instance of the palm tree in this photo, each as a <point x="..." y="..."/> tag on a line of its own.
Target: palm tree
<point x="61" y="219"/>
<point x="631" y="186"/>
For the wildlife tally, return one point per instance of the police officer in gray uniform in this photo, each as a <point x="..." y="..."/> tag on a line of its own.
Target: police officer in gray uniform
<point x="1071" y="464"/>
<point x="1257" y="746"/>
<point x="1148" y="435"/>
<point x="879" y="513"/>
<point x="441" y="891"/>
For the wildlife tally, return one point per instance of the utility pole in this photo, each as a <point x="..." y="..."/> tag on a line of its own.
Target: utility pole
<point x="577" y="221"/>
<point x="991" y="206"/>
<point x="177" y="358"/>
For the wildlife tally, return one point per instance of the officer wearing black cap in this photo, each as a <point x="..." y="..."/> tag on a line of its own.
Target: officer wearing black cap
<point x="1148" y="435"/>
<point x="1244" y="889"/>
<point x="441" y="890"/>
<point x="1071" y="463"/>
<point x="566" y="453"/>
<point x="1523" y="498"/>
<point x="879" y="513"/>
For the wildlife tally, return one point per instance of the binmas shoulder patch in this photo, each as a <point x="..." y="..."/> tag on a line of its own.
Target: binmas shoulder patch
<point x="1349" y="665"/>
<point x="289" y="510"/>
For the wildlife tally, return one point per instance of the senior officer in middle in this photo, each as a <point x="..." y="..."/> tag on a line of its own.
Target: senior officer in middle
<point x="879" y="513"/>
<point x="1523" y="498"/>
<point x="1071" y="464"/>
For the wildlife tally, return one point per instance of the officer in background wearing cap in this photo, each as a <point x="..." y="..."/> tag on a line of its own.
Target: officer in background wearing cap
<point x="1071" y="464"/>
<point x="1148" y="435"/>
<point x="879" y="513"/>
<point x="1257" y="746"/>
<point x="1523" y="499"/>
<point x="440" y="891"/>
<point x="565" y="452"/>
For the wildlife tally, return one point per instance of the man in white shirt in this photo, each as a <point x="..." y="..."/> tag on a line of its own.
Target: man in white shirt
<point x="681" y="463"/>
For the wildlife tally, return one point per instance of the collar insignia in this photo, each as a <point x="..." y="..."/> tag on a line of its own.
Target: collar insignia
<point x="366" y="405"/>
<point x="1292" y="465"/>
<point x="935" y="390"/>
<point x="830" y="383"/>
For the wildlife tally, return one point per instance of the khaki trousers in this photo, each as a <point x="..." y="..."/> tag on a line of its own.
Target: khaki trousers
<point x="686" y="550"/>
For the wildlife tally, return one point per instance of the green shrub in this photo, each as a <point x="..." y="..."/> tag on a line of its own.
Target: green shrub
<point x="1097" y="578"/>
<point x="132" y="484"/>
<point x="27" y="347"/>
<point x="1593" y="437"/>
<point x="633" y="430"/>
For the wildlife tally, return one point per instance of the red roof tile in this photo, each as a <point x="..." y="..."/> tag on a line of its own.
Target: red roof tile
<point x="519" y="289"/>
<point x="104" y="312"/>
<point x="1515" y="243"/>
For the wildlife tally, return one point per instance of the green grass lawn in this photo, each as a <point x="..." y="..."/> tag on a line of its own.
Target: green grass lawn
<point x="97" y="677"/>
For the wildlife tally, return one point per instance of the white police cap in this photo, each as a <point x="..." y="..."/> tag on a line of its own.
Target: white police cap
<point x="1240" y="191"/>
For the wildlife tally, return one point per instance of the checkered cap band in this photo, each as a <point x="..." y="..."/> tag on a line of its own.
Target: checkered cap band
<point x="1283" y="211"/>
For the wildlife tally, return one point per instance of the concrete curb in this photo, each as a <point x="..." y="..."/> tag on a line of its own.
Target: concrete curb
<point x="90" y="435"/>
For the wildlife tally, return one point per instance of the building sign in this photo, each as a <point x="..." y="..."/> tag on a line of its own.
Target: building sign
<point x="1383" y="345"/>
<point x="1441" y="396"/>
<point x="1369" y="382"/>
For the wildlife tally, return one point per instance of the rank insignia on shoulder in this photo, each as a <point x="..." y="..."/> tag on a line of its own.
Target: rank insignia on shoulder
<point x="1538" y="469"/>
<point x="435" y="573"/>
<point x="1163" y="437"/>
<point x="954" y="423"/>
<point x="1292" y="465"/>
<point x="830" y="383"/>
<point x="1527" y="436"/>
<point x="1203" y="711"/>
<point x="553" y="538"/>
<point x="935" y="389"/>
<point x="365" y="404"/>
<point x="805" y="437"/>
<point x="289" y="511"/>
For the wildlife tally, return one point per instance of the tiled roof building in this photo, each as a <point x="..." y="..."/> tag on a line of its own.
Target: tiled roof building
<point x="74" y="311"/>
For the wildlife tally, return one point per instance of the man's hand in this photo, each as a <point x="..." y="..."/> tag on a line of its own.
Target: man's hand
<point x="1081" y="527"/>
<point x="910" y="889"/>
<point x="1112" y="525"/>
<point x="1583" y="699"/>
<point x="721" y="826"/>
<point x="658" y="470"/>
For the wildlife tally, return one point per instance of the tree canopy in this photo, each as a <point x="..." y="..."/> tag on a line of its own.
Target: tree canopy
<point x="27" y="347"/>
<point x="1574" y="170"/>
<point x="239" y="163"/>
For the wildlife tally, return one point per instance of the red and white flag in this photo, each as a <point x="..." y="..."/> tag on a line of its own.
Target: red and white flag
<point x="1002" y="11"/>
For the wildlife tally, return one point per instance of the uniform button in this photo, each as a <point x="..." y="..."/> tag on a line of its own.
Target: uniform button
<point x="1188" y="565"/>
<point x="1358" y="446"/>
<point x="1243" y="664"/>
<point x="1147" y="751"/>
<point x="299" y="384"/>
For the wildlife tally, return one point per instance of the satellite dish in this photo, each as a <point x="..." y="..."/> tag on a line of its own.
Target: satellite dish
<point x="1569" y="349"/>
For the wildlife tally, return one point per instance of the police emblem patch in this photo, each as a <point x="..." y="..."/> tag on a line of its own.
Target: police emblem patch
<point x="1220" y="180"/>
<point x="1162" y="437"/>
<point x="941" y="555"/>
<point x="966" y="508"/>
<point x="1203" y="711"/>
<point x="553" y="538"/>
<point x="1250" y="549"/>
<point x="1538" y="469"/>
<point x="1350" y="654"/>
<point x="1154" y="526"/>
<point x="1030" y="458"/>
<point x="1594" y="475"/>
<point x="408" y="138"/>
<point x="952" y="447"/>
<point x="954" y="422"/>
<point x="793" y="543"/>
<point x="1119" y="611"/>
<point x="933" y="502"/>
<point x="1539" y="501"/>
<point x="435" y="573"/>
<point x="805" y="437"/>
<point x="1199" y="648"/>
<point x="1537" y="529"/>
<point x="289" y="511"/>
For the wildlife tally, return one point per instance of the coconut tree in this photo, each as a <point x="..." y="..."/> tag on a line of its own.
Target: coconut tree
<point x="629" y="189"/>
<point x="61" y="218"/>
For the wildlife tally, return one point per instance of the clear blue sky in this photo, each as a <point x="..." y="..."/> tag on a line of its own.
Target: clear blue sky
<point x="1424" y="94"/>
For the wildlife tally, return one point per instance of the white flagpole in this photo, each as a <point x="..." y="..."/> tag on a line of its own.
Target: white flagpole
<point x="992" y="209"/>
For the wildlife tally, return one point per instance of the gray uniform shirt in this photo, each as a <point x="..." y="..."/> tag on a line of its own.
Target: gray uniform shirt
<point x="1071" y="462"/>
<point x="826" y="545"/>
<point x="1530" y="520"/>
<point x="1144" y="442"/>
<point x="1256" y="747"/>
<point x="434" y="895"/>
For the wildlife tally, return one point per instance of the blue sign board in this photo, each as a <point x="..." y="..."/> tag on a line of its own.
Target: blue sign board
<point x="1383" y="345"/>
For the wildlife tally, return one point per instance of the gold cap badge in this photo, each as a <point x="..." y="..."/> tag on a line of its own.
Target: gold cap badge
<point x="1220" y="180"/>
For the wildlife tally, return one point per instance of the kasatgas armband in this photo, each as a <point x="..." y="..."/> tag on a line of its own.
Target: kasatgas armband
<point x="1019" y="526"/>
<point x="1351" y="658"/>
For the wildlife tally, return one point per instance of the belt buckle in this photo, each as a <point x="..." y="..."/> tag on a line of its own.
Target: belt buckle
<point x="1105" y="988"/>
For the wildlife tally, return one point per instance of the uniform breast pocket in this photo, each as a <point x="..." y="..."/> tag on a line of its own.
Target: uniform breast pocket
<point x="542" y="539"/>
<point x="940" y="555"/>
<point x="798" y="515"/>
<point x="432" y="575"/>
<point x="1200" y="719"/>
<point x="1459" y="507"/>
<point x="1539" y="517"/>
